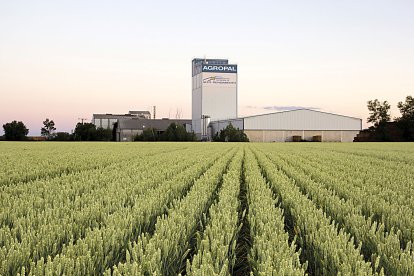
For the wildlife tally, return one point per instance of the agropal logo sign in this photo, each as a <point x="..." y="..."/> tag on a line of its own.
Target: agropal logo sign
<point x="220" y="68"/>
<point x="218" y="80"/>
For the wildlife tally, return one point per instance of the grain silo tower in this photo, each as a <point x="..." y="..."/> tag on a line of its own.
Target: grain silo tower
<point x="214" y="93"/>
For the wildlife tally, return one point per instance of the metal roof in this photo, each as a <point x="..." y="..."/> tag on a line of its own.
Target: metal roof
<point x="139" y="112"/>
<point x="298" y="119"/>
<point x="280" y="112"/>
<point x="307" y="109"/>
<point x="113" y="116"/>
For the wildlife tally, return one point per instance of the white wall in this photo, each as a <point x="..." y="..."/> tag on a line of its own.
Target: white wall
<point x="196" y="110"/>
<point x="219" y="95"/>
<point x="196" y="104"/>
<point x="287" y="135"/>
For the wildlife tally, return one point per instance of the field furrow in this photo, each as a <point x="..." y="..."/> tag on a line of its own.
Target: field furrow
<point x="328" y="249"/>
<point x="166" y="250"/>
<point x="206" y="209"/>
<point x="376" y="242"/>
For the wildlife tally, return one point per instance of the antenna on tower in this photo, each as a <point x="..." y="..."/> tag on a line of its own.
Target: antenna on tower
<point x="154" y="108"/>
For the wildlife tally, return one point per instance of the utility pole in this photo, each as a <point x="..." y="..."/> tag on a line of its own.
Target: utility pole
<point x="82" y="119"/>
<point x="154" y="109"/>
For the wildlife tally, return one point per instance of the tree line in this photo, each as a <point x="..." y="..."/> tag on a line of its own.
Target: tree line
<point x="17" y="131"/>
<point x="176" y="132"/>
<point x="384" y="128"/>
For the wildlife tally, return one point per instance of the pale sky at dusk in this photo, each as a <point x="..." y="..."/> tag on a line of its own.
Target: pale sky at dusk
<point x="69" y="59"/>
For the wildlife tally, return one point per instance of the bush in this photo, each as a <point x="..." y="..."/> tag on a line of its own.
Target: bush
<point x="149" y="134"/>
<point x="178" y="133"/>
<point x="174" y="133"/>
<point x="15" y="131"/>
<point x="63" y="136"/>
<point x="89" y="132"/>
<point x="230" y="134"/>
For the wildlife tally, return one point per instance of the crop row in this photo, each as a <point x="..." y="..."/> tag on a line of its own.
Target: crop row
<point x="380" y="202"/>
<point x="271" y="252"/>
<point x="25" y="162"/>
<point x="205" y="209"/>
<point x="67" y="222"/>
<point x="376" y="242"/>
<point x="165" y="251"/>
<point x="216" y="249"/>
<point x="329" y="249"/>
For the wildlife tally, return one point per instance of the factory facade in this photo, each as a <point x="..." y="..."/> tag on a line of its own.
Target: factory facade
<point x="127" y="130"/>
<point x="214" y="93"/>
<point x="214" y="106"/>
<point x="108" y="120"/>
<point x="127" y="126"/>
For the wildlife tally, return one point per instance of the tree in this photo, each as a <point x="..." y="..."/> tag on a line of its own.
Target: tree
<point x="406" y="121"/>
<point x="89" y="132"/>
<point x="230" y="134"/>
<point x="407" y="109"/>
<point x="15" y="131"/>
<point x="114" y="127"/>
<point x="84" y="132"/>
<point x="103" y="134"/>
<point x="148" y="134"/>
<point x="174" y="132"/>
<point x="177" y="132"/>
<point x="48" y="130"/>
<point x="379" y="112"/>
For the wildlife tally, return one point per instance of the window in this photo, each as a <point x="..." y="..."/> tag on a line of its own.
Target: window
<point x="105" y="123"/>
<point x="97" y="122"/>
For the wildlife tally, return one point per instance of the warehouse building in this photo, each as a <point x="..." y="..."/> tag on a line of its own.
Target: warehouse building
<point x="299" y="125"/>
<point x="214" y="106"/>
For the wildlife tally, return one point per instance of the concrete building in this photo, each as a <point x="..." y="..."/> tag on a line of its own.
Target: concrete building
<point x="108" y="120"/>
<point x="128" y="128"/>
<point x="214" y="93"/>
<point x="284" y="126"/>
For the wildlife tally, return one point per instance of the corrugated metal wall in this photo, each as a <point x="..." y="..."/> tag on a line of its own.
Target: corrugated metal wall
<point x="301" y="120"/>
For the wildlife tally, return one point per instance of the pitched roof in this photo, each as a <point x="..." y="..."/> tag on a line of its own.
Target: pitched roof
<point x="307" y="109"/>
<point x="286" y="111"/>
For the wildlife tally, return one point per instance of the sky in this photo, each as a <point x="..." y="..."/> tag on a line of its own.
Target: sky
<point x="66" y="60"/>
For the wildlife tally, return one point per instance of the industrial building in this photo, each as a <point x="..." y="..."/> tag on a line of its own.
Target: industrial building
<point x="214" y="93"/>
<point x="306" y="124"/>
<point x="214" y="106"/>
<point x="127" y="129"/>
<point x="127" y="126"/>
<point x="108" y="120"/>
